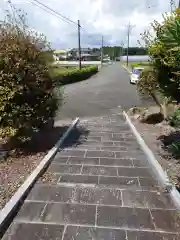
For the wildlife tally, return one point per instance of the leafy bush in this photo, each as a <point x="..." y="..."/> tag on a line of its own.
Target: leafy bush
<point x="174" y="148"/>
<point x="27" y="98"/>
<point x="164" y="49"/>
<point x="148" y="83"/>
<point x="174" y="119"/>
<point x="73" y="75"/>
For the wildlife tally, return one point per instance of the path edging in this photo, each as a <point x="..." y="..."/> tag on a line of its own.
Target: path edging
<point x="158" y="170"/>
<point x="11" y="205"/>
<point x="128" y="70"/>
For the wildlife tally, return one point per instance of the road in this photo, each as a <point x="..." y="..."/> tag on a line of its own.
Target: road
<point x="107" y="90"/>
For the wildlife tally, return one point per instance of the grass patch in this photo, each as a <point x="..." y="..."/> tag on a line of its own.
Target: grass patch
<point x="139" y="64"/>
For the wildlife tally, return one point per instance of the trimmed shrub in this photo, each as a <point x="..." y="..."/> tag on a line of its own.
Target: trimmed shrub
<point x="72" y="75"/>
<point x="27" y="98"/>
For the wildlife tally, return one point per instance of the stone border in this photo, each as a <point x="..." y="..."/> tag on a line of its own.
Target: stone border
<point x="157" y="168"/>
<point x="12" y="204"/>
<point x="126" y="68"/>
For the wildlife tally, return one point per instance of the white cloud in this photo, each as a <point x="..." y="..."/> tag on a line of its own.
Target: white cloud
<point x="98" y="17"/>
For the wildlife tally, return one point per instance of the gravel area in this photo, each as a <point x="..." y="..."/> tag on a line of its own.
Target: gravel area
<point x="15" y="169"/>
<point x="153" y="135"/>
<point x="13" y="172"/>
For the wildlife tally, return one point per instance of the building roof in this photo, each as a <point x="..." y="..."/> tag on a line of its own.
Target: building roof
<point x="60" y="51"/>
<point x="82" y="49"/>
<point x="85" y="55"/>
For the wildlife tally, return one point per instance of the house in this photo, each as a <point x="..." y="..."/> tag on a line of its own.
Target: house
<point x="87" y="54"/>
<point x="61" y="54"/>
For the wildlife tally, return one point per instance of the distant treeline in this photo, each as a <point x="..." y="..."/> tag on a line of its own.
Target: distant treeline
<point x="116" y="51"/>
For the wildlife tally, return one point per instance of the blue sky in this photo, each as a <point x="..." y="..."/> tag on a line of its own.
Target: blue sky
<point x="98" y="17"/>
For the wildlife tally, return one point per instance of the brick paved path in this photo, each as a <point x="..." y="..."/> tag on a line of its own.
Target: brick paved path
<point x="103" y="189"/>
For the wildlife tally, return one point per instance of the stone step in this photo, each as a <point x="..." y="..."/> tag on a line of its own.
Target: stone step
<point x="94" y="195"/>
<point x="99" y="215"/>
<point x="53" y="231"/>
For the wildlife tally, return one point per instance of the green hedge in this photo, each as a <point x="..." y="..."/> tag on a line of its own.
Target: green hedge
<point x="73" y="75"/>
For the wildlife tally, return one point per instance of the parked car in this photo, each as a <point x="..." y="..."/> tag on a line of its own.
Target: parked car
<point x="135" y="74"/>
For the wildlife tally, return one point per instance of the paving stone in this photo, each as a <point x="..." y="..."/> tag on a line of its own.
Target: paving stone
<point x="99" y="134"/>
<point x="150" y="236"/>
<point x="116" y="129"/>
<point x="84" y="161"/>
<point x="124" y="217"/>
<point x="60" y="159"/>
<point x="116" y="162"/>
<point x="146" y="199"/>
<point x="100" y="154"/>
<point x="98" y="196"/>
<point x="70" y="153"/>
<point x="141" y="163"/>
<point x="107" y="144"/>
<point x="35" y="232"/>
<point x="85" y="233"/>
<point x="124" y="135"/>
<point x="114" y="148"/>
<point x="167" y="220"/>
<point x="94" y="139"/>
<point x="65" y="169"/>
<point x="117" y="138"/>
<point x="87" y="147"/>
<point x="148" y="182"/>
<point x="139" y="155"/>
<point x="31" y="211"/>
<point x="120" y="182"/>
<point x="134" y="172"/>
<point x="127" y="144"/>
<point x="52" y="193"/>
<point x="99" y="170"/>
<point x="85" y="179"/>
<point x="70" y="214"/>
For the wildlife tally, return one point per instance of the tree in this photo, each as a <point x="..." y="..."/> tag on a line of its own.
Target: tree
<point x="27" y="98"/>
<point x="148" y="85"/>
<point x="163" y="44"/>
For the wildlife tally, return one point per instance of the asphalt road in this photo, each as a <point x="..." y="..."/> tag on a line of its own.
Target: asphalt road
<point x="100" y="94"/>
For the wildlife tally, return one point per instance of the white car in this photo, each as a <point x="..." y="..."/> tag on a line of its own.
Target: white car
<point x="135" y="74"/>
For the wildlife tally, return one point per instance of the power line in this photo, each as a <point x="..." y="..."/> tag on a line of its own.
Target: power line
<point x="48" y="11"/>
<point x="52" y="10"/>
<point x="62" y="17"/>
<point x="56" y="14"/>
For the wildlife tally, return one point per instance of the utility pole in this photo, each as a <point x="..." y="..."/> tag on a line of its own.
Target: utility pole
<point x="102" y="44"/>
<point x="128" y="33"/>
<point x="171" y="3"/>
<point x="179" y="4"/>
<point x="79" y="43"/>
<point x="122" y="50"/>
<point x="129" y="28"/>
